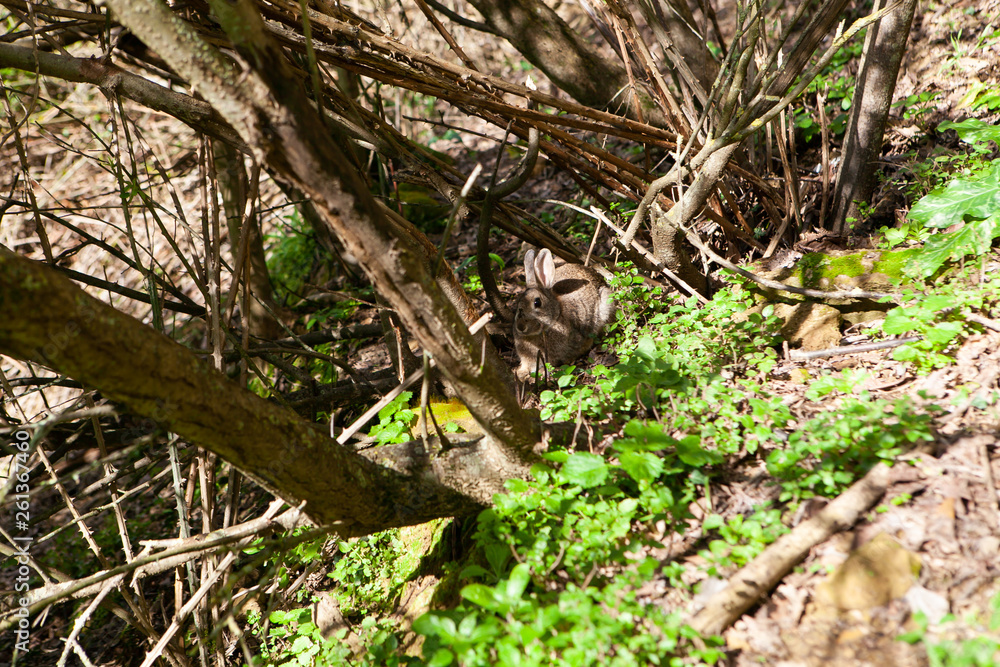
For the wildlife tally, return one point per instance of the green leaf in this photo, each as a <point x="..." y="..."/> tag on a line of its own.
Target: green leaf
<point x="427" y="624"/>
<point x="284" y="617"/>
<point x="690" y="451"/>
<point x="586" y="470"/>
<point x="936" y="303"/>
<point x="972" y="131"/>
<point x="497" y="555"/>
<point x="628" y="505"/>
<point x="974" y="238"/>
<point x="975" y="197"/>
<point x="470" y="571"/>
<point x="897" y="322"/>
<point x="480" y="594"/>
<point x="395" y="406"/>
<point x="300" y="645"/>
<point x="641" y="466"/>
<point x="520" y="577"/>
<point x="389" y="433"/>
<point x="442" y="658"/>
<point x="557" y="456"/>
<point x="646" y="349"/>
<point x="650" y="437"/>
<point x="943" y="332"/>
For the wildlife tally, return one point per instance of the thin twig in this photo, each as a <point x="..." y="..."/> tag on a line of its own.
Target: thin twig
<point x="983" y="321"/>
<point x="410" y="380"/>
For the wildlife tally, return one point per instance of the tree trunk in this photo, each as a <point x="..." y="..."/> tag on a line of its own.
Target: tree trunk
<point x="668" y="247"/>
<point x="884" y="46"/>
<point x="679" y="21"/>
<point x="87" y="340"/>
<point x="572" y="63"/>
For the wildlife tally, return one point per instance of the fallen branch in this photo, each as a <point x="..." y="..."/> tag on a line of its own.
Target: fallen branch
<point x="798" y="355"/>
<point x="748" y="585"/>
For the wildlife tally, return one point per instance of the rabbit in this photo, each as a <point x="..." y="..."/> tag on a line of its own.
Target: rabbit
<point x="560" y="314"/>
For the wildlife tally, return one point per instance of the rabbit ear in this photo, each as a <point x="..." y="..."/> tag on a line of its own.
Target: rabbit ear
<point x="545" y="269"/>
<point x="529" y="270"/>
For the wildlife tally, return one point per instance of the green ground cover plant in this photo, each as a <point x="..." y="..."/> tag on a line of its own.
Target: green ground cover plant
<point x="981" y="650"/>
<point x="689" y="392"/>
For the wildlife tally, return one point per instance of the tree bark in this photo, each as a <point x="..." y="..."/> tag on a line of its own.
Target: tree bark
<point x="572" y="63"/>
<point x="668" y="247"/>
<point x="155" y="377"/>
<point x="884" y="47"/>
<point x="668" y="230"/>
<point x="269" y="109"/>
<point x="679" y="21"/>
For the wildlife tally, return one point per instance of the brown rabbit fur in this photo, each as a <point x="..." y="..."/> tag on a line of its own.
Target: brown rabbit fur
<point x="560" y="314"/>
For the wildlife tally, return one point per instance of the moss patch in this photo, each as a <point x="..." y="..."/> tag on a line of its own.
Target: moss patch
<point x="866" y="269"/>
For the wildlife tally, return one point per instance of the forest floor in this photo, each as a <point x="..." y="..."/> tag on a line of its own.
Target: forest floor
<point x="941" y="506"/>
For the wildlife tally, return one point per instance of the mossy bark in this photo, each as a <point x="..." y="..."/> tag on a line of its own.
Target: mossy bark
<point x="155" y="377"/>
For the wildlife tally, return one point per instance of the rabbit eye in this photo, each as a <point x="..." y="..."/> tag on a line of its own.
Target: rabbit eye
<point x="538" y="302"/>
